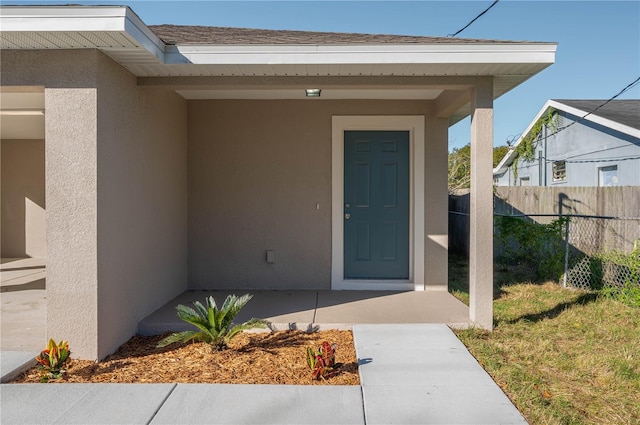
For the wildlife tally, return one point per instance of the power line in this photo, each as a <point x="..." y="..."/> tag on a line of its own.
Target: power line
<point x="474" y="19"/>
<point x="624" y="90"/>
<point x="587" y="161"/>
<point x="627" y="88"/>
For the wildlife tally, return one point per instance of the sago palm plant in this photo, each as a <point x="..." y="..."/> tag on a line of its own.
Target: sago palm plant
<point x="215" y="324"/>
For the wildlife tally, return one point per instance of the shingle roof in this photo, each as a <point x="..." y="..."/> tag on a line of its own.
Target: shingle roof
<point x="625" y="112"/>
<point x="178" y="34"/>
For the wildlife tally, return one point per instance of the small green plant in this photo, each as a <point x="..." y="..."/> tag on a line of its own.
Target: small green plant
<point x="215" y="324"/>
<point x="627" y="293"/>
<point x="53" y="359"/>
<point x="621" y="275"/>
<point x="323" y="362"/>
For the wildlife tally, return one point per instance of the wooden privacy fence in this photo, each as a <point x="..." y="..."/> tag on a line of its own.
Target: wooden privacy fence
<point x="614" y="214"/>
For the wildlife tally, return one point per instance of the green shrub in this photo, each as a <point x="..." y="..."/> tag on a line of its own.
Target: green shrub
<point x="627" y="293"/>
<point x="540" y="247"/>
<point x="215" y="324"/>
<point x="620" y="276"/>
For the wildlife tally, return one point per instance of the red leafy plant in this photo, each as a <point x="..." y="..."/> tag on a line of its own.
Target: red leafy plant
<point x="323" y="361"/>
<point x="53" y="359"/>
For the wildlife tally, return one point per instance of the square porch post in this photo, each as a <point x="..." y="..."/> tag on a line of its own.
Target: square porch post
<point x="72" y="214"/>
<point x="481" y="206"/>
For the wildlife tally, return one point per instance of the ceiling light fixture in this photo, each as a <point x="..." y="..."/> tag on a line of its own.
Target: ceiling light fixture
<point x="313" y="92"/>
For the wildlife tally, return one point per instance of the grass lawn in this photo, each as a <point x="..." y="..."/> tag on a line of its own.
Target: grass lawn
<point x="562" y="356"/>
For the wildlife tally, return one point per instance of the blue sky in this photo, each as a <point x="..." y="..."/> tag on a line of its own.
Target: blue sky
<point x="597" y="56"/>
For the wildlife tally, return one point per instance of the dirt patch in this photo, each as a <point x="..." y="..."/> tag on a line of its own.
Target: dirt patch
<point x="252" y="358"/>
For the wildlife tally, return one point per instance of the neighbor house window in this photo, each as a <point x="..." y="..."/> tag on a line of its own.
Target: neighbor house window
<point x="559" y="169"/>
<point x="608" y="176"/>
<point x="524" y="181"/>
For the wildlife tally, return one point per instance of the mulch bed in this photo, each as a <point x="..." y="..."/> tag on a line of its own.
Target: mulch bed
<point x="252" y="358"/>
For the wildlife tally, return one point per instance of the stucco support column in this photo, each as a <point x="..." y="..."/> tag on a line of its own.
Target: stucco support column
<point x="436" y="207"/>
<point x="481" y="220"/>
<point x="71" y="170"/>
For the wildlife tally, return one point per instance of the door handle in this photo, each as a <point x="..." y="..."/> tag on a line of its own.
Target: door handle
<point x="347" y="216"/>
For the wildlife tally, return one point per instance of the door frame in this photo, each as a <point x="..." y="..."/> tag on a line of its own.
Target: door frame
<point x="415" y="125"/>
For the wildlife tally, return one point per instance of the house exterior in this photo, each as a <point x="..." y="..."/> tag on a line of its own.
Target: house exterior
<point x="587" y="143"/>
<point x="191" y="158"/>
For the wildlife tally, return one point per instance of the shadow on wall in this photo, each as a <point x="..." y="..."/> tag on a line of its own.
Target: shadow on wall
<point x="23" y="199"/>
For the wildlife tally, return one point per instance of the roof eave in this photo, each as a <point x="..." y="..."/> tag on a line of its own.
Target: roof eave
<point x="543" y="53"/>
<point x="595" y="118"/>
<point x="82" y="19"/>
<point x="507" y="160"/>
<point x="510" y="63"/>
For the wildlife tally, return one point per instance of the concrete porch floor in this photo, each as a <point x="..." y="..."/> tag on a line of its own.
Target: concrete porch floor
<point x="23" y="304"/>
<point x="322" y="309"/>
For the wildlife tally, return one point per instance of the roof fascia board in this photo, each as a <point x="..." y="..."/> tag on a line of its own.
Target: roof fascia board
<point x="51" y="18"/>
<point x="360" y="54"/>
<point x="284" y="82"/>
<point x="508" y="158"/>
<point x="81" y="19"/>
<point x="144" y="36"/>
<point x="593" y="117"/>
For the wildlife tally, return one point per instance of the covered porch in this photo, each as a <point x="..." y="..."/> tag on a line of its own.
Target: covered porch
<point x="189" y="159"/>
<point x="312" y="310"/>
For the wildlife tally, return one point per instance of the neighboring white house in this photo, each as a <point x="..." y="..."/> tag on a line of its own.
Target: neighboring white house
<point x="173" y="158"/>
<point x="587" y="143"/>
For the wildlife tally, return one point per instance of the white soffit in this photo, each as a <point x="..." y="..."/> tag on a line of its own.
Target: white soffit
<point x="116" y="30"/>
<point x="326" y="94"/>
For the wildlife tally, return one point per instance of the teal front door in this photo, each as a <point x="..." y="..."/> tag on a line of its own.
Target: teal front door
<point x="376" y="205"/>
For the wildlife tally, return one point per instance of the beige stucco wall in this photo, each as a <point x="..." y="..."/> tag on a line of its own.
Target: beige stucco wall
<point x="23" y="202"/>
<point x="116" y="195"/>
<point x="146" y="191"/>
<point x="70" y="164"/>
<point x="258" y="170"/>
<point x="142" y="201"/>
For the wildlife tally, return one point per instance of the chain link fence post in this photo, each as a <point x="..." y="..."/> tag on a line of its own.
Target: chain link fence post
<point x="566" y="252"/>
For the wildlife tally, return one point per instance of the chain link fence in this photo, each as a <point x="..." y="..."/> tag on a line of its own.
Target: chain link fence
<point x="585" y="252"/>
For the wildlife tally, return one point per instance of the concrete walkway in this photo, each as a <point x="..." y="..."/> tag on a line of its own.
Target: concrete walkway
<point x="410" y="374"/>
